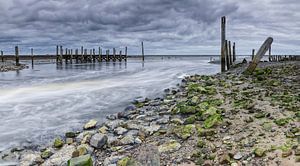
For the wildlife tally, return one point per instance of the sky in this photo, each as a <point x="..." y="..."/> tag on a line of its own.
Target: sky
<point x="179" y="27"/>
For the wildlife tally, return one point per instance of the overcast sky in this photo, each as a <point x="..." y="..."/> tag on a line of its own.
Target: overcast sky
<point x="165" y="26"/>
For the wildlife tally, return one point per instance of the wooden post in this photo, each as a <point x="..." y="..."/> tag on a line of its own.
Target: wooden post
<point x="114" y="54"/>
<point x="76" y="55"/>
<point x="143" y="53"/>
<point x="261" y="52"/>
<point x="82" y="54"/>
<point x="61" y="54"/>
<point x="125" y="53"/>
<point x="227" y="55"/>
<point x="71" y="56"/>
<point x="223" y="38"/>
<point x="253" y="53"/>
<point x="91" y="55"/>
<point x="100" y="54"/>
<point x="233" y="52"/>
<point x="121" y="54"/>
<point x="2" y="56"/>
<point x="94" y="55"/>
<point x="270" y="54"/>
<point x="229" y="51"/>
<point x="66" y="56"/>
<point x="57" y="53"/>
<point x="85" y="56"/>
<point x="107" y="56"/>
<point x="17" y="56"/>
<point x="32" y="56"/>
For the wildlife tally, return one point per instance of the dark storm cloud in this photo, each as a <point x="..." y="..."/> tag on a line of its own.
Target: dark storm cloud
<point x="166" y="26"/>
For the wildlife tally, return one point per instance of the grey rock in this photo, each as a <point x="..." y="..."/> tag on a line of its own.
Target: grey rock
<point x="61" y="157"/>
<point x="148" y="155"/>
<point x="120" y="130"/>
<point x="238" y="156"/>
<point x="127" y="140"/>
<point x="31" y="159"/>
<point x="114" y="124"/>
<point x="98" y="140"/>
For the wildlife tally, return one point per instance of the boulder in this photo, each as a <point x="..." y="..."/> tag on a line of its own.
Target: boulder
<point x="98" y="140"/>
<point x="127" y="140"/>
<point x="169" y="146"/>
<point x="91" y="124"/>
<point x="58" y="143"/>
<point x="85" y="160"/>
<point x="60" y="157"/>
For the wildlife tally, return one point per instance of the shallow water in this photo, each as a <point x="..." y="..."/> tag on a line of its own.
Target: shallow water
<point x="40" y="103"/>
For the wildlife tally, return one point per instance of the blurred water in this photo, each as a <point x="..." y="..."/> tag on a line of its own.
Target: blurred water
<point x="40" y="103"/>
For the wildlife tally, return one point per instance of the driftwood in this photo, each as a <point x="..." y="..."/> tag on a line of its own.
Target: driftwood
<point x="261" y="52"/>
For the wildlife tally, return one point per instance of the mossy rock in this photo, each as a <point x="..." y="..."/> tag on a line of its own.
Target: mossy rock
<point x="58" y="143"/>
<point x="194" y="101"/>
<point x="169" y="146"/>
<point x="185" y="109"/>
<point x="184" y="132"/>
<point x="85" y="160"/>
<point x="190" y="120"/>
<point x="212" y="120"/>
<point x="259" y="152"/>
<point x="70" y="134"/>
<point x="260" y="115"/>
<point x="243" y="103"/>
<point x="126" y="161"/>
<point x="46" y="154"/>
<point x="205" y="132"/>
<point x="200" y="143"/>
<point x="282" y="122"/>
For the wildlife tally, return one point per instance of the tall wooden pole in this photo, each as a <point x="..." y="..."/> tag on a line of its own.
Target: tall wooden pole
<point x="143" y="53"/>
<point x="253" y="54"/>
<point x="57" y="53"/>
<point x="2" y="56"/>
<point x="270" y="49"/>
<point x="125" y="53"/>
<point x="227" y="54"/>
<point x="114" y="54"/>
<point x="61" y="54"/>
<point x="17" y="56"/>
<point x="223" y="38"/>
<point x="230" y="55"/>
<point x="233" y="52"/>
<point x="32" y="56"/>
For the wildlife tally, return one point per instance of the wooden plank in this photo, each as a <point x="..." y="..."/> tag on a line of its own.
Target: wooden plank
<point x="223" y="38"/>
<point x="261" y="52"/>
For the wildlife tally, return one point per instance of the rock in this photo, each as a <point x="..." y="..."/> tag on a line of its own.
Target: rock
<point x="177" y="121"/>
<point x="82" y="149"/>
<point x="114" y="124"/>
<point x="126" y="162"/>
<point x="98" y="140"/>
<point x="61" y="156"/>
<point x="103" y="130"/>
<point x="169" y="146"/>
<point x="208" y="163"/>
<point x="151" y="129"/>
<point x="287" y="153"/>
<point x="297" y="159"/>
<point x="238" y="156"/>
<point x="46" y="154"/>
<point x="184" y="132"/>
<point x="69" y="141"/>
<point x="91" y="124"/>
<point x="85" y="160"/>
<point x="112" y="160"/>
<point x="112" y="141"/>
<point x="297" y="151"/>
<point x="224" y="159"/>
<point x="111" y="117"/>
<point x="138" y="141"/>
<point x="31" y="159"/>
<point x="259" y="152"/>
<point x="127" y="140"/>
<point x="70" y="135"/>
<point x="164" y="120"/>
<point x="120" y="130"/>
<point x="148" y="155"/>
<point x="58" y="143"/>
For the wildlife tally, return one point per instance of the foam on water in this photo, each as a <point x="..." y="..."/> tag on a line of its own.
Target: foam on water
<point x="41" y="103"/>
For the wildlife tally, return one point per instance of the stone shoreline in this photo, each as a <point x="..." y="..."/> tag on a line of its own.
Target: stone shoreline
<point x="224" y="119"/>
<point x="7" y="66"/>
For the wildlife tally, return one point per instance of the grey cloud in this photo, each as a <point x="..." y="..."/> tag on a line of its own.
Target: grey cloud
<point x="166" y="26"/>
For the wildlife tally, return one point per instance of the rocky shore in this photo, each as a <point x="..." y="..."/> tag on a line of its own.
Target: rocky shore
<point x="7" y="66"/>
<point x="224" y="119"/>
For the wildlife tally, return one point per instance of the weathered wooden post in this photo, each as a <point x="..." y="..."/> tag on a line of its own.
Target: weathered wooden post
<point x="253" y="53"/>
<point x="233" y="52"/>
<point x="66" y="56"/>
<point x="61" y="54"/>
<point x="71" y="56"/>
<point x="270" y="54"/>
<point x="125" y="53"/>
<point x="114" y="54"/>
<point x="121" y="54"/>
<point x="94" y="55"/>
<point x="76" y="55"/>
<point x="223" y="38"/>
<point x="229" y="51"/>
<point x="57" y="53"/>
<point x="91" y="55"/>
<point x="100" y="54"/>
<point x="82" y="54"/>
<point x="17" y="56"/>
<point x="143" y="53"/>
<point x="85" y="56"/>
<point x="107" y="56"/>
<point x="32" y="56"/>
<point x="227" y="55"/>
<point x="261" y="52"/>
<point x="2" y="56"/>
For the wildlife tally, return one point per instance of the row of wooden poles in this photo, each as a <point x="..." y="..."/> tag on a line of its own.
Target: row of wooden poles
<point x="228" y="54"/>
<point x="84" y="56"/>
<point x="277" y="58"/>
<point x="88" y="56"/>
